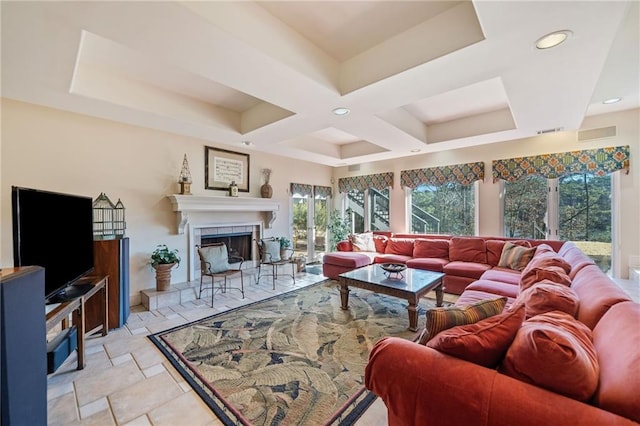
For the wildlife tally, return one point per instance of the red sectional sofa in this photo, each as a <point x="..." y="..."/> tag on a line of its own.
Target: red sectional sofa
<point x="572" y="358"/>
<point x="462" y="259"/>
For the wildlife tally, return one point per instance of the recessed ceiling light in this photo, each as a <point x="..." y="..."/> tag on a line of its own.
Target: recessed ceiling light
<point x="247" y="143"/>
<point x="341" y="111"/>
<point x="552" y="40"/>
<point x="415" y="150"/>
<point x="611" y="100"/>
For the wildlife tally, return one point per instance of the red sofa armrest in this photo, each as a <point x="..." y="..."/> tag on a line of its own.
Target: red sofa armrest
<point x="344" y="245"/>
<point x="420" y="385"/>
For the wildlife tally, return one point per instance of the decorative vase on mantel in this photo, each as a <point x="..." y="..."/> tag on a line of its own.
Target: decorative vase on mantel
<point x="266" y="191"/>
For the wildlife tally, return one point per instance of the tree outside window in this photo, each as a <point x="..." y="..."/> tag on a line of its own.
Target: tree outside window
<point x="444" y="209"/>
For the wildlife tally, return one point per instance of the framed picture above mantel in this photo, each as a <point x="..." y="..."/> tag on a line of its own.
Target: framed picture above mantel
<point x="221" y="167"/>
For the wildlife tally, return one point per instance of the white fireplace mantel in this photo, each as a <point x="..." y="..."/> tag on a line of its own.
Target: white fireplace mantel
<point x="185" y="204"/>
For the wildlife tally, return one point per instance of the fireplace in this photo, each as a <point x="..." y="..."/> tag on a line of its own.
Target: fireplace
<point x="237" y="244"/>
<point x="238" y="237"/>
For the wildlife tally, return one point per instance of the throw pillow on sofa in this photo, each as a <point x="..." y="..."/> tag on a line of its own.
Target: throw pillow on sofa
<point x="546" y="296"/>
<point x="515" y="256"/>
<point x="485" y="342"/>
<point x="552" y="273"/>
<point x="494" y="249"/>
<point x="439" y="319"/>
<point x="363" y="242"/>
<point x="554" y="351"/>
<point x="380" y="242"/>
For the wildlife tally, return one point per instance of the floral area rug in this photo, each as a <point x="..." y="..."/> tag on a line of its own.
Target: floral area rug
<point x="294" y="359"/>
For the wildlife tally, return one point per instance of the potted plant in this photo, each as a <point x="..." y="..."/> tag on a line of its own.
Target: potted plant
<point x="162" y="260"/>
<point x="339" y="228"/>
<point x="285" y="248"/>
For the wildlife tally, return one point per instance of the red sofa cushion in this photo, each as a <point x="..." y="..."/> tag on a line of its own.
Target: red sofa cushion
<point x="380" y="241"/>
<point x="403" y="246"/>
<point x="504" y="275"/>
<point x="468" y="249"/>
<point x="484" y="342"/>
<point x="431" y="248"/>
<point x="554" y="351"/>
<point x="495" y="287"/>
<point x="430" y="264"/>
<point x="391" y="258"/>
<point x="466" y="269"/>
<point x="616" y="340"/>
<point x="546" y="296"/>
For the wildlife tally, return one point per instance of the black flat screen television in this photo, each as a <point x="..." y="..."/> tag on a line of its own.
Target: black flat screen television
<point x="55" y="231"/>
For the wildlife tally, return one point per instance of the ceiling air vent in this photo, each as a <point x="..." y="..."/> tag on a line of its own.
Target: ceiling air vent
<point x="599" y="133"/>
<point x="555" y="129"/>
<point x="354" y="167"/>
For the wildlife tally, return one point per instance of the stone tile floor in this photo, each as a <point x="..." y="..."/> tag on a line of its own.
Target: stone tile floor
<point x="127" y="381"/>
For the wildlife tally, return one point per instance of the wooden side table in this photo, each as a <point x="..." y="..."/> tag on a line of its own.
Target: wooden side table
<point x="75" y="307"/>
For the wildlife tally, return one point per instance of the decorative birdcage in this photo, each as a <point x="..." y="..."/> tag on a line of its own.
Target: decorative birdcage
<point x="119" y="224"/>
<point x="108" y="219"/>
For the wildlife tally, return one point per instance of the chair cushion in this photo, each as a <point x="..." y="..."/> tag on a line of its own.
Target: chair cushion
<point x="466" y="269"/>
<point x="484" y="342"/>
<point x="270" y="251"/>
<point x="439" y="319"/>
<point x="216" y="257"/>
<point x="515" y="256"/>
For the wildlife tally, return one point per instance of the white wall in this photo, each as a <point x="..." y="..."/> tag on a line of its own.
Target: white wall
<point x="488" y="202"/>
<point x="54" y="150"/>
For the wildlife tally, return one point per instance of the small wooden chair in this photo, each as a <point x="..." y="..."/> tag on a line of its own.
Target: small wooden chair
<point x="215" y="263"/>
<point x="269" y="253"/>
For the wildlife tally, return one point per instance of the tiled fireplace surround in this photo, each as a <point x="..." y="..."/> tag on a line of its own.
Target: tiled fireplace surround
<point x="208" y="216"/>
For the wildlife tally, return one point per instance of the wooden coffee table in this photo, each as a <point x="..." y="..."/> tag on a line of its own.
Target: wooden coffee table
<point x="411" y="285"/>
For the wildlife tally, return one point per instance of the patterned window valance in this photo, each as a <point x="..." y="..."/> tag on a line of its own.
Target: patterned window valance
<point x="302" y="189"/>
<point x="322" y="191"/>
<point x="379" y="181"/>
<point x="599" y="162"/>
<point x="464" y="174"/>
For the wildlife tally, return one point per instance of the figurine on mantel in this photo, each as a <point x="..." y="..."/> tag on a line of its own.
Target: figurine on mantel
<point x="233" y="189"/>
<point x="266" y="191"/>
<point x="185" y="178"/>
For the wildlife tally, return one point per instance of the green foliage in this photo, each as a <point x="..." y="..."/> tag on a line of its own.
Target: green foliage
<point x="525" y="208"/>
<point x="163" y="255"/>
<point x="445" y="209"/>
<point x="338" y="227"/>
<point x="284" y="242"/>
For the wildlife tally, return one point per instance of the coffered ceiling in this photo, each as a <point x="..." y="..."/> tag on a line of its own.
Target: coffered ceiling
<point x="417" y="76"/>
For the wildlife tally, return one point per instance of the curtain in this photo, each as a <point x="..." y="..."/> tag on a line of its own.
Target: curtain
<point x="463" y="174"/>
<point x="379" y="181"/>
<point x="322" y="191"/>
<point x="599" y="162"/>
<point x="302" y="189"/>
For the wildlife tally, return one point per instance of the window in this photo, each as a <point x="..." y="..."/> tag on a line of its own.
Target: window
<point x="369" y="209"/>
<point x="574" y="208"/>
<point x="443" y="209"/>
<point x="525" y="208"/>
